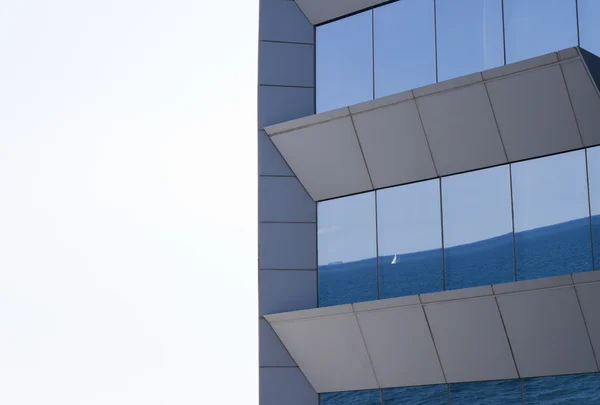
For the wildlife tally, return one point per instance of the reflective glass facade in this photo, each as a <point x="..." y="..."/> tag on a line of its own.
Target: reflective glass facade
<point x="411" y="43"/>
<point x="579" y="389"/>
<point x="514" y="222"/>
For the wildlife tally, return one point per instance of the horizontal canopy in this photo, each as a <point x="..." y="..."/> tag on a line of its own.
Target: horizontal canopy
<point x="320" y="11"/>
<point x="528" y="109"/>
<point x="525" y="329"/>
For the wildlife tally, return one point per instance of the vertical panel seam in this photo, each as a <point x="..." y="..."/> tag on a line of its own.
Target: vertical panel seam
<point x="377" y="245"/>
<point x="562" y="73"/>
<point x="442" y="235"/>
<point x="514" y="230"/>
<point x="437" y="353"/>
<point x="487" y="92"/>
<point x="503" y="33"/>
<point x="577" y="20"/>
<point x="507" y="337"/>
<point x="362" y="153"/>
<point x="366" y="347"/>
<point x="435" y="40"/>
<point x="589" y="194"/>
<point x="425" y="134"/>
<point x="587" y="331"/>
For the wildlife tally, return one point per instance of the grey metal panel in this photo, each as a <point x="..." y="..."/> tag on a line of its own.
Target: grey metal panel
<point x="279" y="104"/>
<point x="394" y="144"/>
<point x="287" y="290"/>
<point x="319" y="11"/>
<point x="326" y="158"/>
<point x="285" y="385"/>
<point x="272" y="352"/>
<point x="589" y="299"/>
<point x="286" y="64"/>
<point x="534" y="113"/>
<point x="470" y="339"/>
<point x="547" y="332"/>
<point x="330" y="351"/>
<point x="287" y="246"/>
<point x="585" y="100"/>
<point x="270" y="161"/>
<point x="283" y="199"/>
<point x="282" y="20"/>
<point x="535" y="284"/>
<point x="461" y="130"/>
<point x="400" y="346"/>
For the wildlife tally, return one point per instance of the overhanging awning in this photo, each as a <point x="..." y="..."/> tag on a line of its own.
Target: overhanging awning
<point x="528" y="109"/>
<point x="320" y="11"/>
<point x="525" y="329"/>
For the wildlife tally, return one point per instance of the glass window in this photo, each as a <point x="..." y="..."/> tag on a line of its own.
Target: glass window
<point x="404" y="46"/>
<point x="347" y="250"/>
<point x="345" y="62"/>
<point x="593" y="158"/>
<point x="559" y="390"/>
<point x="469" y="37"/>
<point x="367" y="397"/>
<point x="551" y="211"/>
<point x="478" y="232"/>
<point x="410" y="239"/>
<point x="423" y="395"/>
<point x="537" y="27"/>
<point x="589" y="28"/>
<point x="505" y="392"/>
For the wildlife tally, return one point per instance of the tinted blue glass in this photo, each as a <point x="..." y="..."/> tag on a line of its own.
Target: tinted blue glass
<point x="404" y="46"/>
<point x="345" y="62"/>
<point x="469" y="36"/>
<point x="551" y="216"/>
<point x="347" y="250"/>
<point x="582" y="389"/>
<point x="369" y="397"/>
<point x="478" y="238"/>
<point x="537" y="27"/>
<point x="505" y="392"/>
<point x="410" y="239"/>
<point x="593" y="158"/>
<point x="423" y="395"/>
<point x="589" y="26"/>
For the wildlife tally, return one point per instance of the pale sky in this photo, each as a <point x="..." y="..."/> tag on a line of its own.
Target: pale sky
<point x="128" y="207"/>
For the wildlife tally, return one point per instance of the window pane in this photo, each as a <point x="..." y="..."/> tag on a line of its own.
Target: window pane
<point x="551" y="216"/>
<point x="410" y="241"/>
<point x="345" y="62"/>
<point x="404" y="46"/>
<point x="537" y="27"/>
<point x="469" y="37"/>
<point x="423" y="395"/>
<point x="370" y="397"/>
<point x="558" y="390"/>
<point x="589" y="26"/>
<point x="593" y="156"/>
<point x="506" y="392"/>
<point x="347" y="250"/>
<point x="478" y="238"/>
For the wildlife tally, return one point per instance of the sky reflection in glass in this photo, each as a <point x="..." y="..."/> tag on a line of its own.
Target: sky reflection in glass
<point x="551" y="216"/>
<point x="410" y="239"/>
<point x="589" y="26"/>
<point x="344" y="62"/>
<point x="478" y="239"/>
<point x="347" y="250"/>
<point x="404" y="46"/>
<point x="469" y="37"/>
<point x="537" y="27"/>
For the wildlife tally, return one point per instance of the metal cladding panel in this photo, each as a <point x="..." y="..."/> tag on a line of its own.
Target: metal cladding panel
<point x="547" y="332"/>
<point x="330" y="351"/>
<point x="525" y="329"/>
<point x="319" y="11"/>
<point x="394" y="144"/>
<point x="534" y="113"/>
<point x="400" y="346"/>
<point x="461" y="129"/>
<point x="326" y="158"/>
<point x="470" y="339"/>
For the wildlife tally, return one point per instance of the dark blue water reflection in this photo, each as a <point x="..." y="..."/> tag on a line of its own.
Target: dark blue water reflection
<point x="423" y="395"/>
<point x="504" y="392"/>
<point x="582" y="389"/>
<point x="369" y="397"/>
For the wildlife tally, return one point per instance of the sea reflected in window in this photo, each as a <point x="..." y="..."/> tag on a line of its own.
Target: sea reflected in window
<point x="581" y="389"/>
<point x="469" y="37"/>
<point x="478" y="231"/>
<point x="422" y="395"/>
<point x="404" y="46"/>
<point x="344" y="51"/>
<point x="410" y="239"/>
<point x="551" y="212"/>
<point x="347" y="250"/>
<point x="537" y="27"/>
<point x="366" y="397"/>
<point x="503" y="392"/>
<point x="593" y="160"/>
